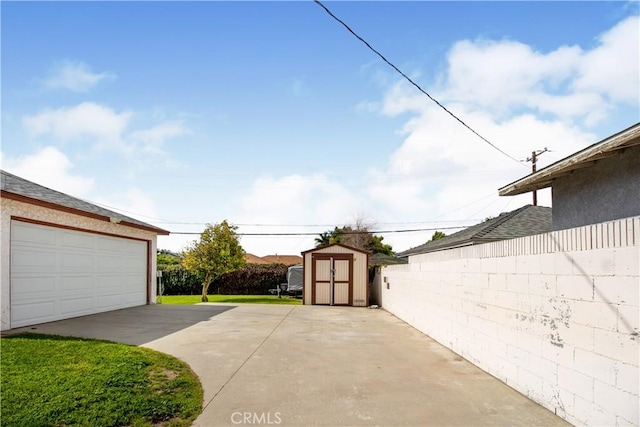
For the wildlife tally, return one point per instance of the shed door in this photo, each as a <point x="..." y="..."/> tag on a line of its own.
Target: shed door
<point x="332" y="279"/>
<point x="57" y="273"/>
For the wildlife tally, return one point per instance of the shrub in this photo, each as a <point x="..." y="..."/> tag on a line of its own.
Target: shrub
<point x="252" y="279"/>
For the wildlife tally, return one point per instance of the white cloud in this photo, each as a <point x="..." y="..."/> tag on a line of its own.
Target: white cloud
<point x="51" y="168"/>
<point x="293" y="199"/>
<point x="152" y="140"/>
<point x="102" y="128"/>
<point x="75" y="76"/>
<point x="613" y="67"/>
<point x="98" y="123"/>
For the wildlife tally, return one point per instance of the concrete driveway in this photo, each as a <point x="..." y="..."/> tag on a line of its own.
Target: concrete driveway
<point x="311" y="365"/>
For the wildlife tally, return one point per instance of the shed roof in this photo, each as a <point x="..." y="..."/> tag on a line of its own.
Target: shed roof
<point x="16" y="188"/>
<point x="335" y="244"/>
<point x="525" y="221"/>
<point x="543" y="178"/>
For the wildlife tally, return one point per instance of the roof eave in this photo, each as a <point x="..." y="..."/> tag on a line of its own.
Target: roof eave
<point x="30" y="200"/>
<point x="584" y="158"/>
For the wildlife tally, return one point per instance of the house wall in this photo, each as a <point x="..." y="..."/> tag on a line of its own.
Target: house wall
<point x="9" y="208"/>
<point x="360" y="273"/>
<point x="604" y="191"/>
<point x="555" y="316"/>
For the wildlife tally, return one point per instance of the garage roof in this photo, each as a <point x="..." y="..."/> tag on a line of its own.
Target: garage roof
<point x="16" y="188"/>
<point x="544" y="177"/>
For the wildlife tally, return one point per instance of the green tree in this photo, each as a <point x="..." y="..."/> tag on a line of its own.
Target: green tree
<point x="436" y="236"/>
<point x="217" y="252"/>
<point x="356" y="236"/>
<point x="166" y="257"/>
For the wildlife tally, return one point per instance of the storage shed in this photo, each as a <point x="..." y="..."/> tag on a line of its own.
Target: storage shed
<point x="63" y="257"/>
<point x="336" y="275"/>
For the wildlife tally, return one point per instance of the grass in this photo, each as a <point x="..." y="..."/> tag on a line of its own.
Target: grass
<point x="49" y="380"/>
<point x="242" y="299"/>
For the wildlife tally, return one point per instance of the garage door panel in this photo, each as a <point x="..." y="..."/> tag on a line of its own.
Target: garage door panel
<point x="75" y="283"/>
<point x="109" y="262"/>
<point x="73" y="240"/>
<point x="26" y="287"/>
<point x="76" y="306"/>
<point x="71" y="261"/>
<point x="82" y="273"/>
<point x="24" y="260"/>
<point x="31" y="233"/>
<point x="29" y="314"/>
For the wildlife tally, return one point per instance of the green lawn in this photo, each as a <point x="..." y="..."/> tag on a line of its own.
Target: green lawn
<point x="245" y="299"/>
<point x="50" y="380"/>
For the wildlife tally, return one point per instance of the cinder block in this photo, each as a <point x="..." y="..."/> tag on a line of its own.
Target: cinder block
<point x="589" y="414"/>
<point x="566" y="404"/>
<point x="597" y="314"/>
<point x="627" y="261"/>
<point x="531" y="382"/>
<point x="578" y="335"/>
<point x="628" y="378"/>
<point x="622" y="347"/>
<point x="575" y="287"/>
<point x="518" y="283"/>
<point x="593" y="263"/>
<point x="576" y="382"/>
<point x="628" y="319"/>
<point x="543" y="284"/>
<point x="488" y="265"/>
<point x="562" y="355"/>
<point x="617" y="401"/>
<point x="528" y="264"/>
<point x="507" y="299"/>
<point x="506" y="265"/>
<point x="551" y="398"/>
<point x="497" y="281"/>
<point x="617" y="289"/>
<point x="599" y="367"/>
<point x="562" y="264"/>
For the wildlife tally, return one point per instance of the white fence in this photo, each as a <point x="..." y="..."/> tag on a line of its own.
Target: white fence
<point x="555" y="316"/>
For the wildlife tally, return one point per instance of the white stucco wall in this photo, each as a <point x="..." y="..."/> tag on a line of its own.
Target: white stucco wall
<point x="12" y="208"/>
<point x="555" y="316"/>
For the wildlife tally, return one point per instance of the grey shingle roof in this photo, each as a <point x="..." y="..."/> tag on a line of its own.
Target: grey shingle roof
<point x="14" y="185"/>
<point x="525" y="221"/>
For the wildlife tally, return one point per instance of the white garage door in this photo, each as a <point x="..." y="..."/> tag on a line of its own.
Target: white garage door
<point x="58" y="273"/>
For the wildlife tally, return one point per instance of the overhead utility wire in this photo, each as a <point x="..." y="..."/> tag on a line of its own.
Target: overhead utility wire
<point x="319" y="3"/>
<point x="346" y="232"/>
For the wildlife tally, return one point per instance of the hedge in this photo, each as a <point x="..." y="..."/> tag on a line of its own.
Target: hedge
<point x="252" y="279"/>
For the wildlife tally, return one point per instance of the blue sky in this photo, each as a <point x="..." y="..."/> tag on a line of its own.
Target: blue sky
<point x="273" y="116"/>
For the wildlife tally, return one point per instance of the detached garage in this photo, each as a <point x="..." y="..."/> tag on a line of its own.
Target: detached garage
<point x="63" y="257"/>
<point x="336" y="275"/>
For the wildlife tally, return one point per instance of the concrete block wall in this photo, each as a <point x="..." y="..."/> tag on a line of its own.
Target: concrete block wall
<point x="555" y="316"/>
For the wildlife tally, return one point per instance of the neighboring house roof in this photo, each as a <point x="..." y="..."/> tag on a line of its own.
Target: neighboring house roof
<point x="16" y="188"/>
<point x="254" y="259"/>
<point x="335" y="244"/>
<point x="525" y="221"/>
<point x="283" y="259"/>
<point x="544" y="177"/>
<point x="382" y="259"/>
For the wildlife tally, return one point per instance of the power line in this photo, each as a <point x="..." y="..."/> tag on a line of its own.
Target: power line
<point x="319" y="3"/>
<point x="347" y="232"/>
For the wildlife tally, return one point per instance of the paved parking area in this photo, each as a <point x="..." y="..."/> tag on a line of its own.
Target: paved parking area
<point x="314" y="366"/>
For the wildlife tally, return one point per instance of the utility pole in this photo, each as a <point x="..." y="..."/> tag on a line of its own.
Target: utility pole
<point x="533" y="159"/>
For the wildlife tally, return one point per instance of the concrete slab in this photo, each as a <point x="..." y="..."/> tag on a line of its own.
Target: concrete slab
<point x="311" y="365"/>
